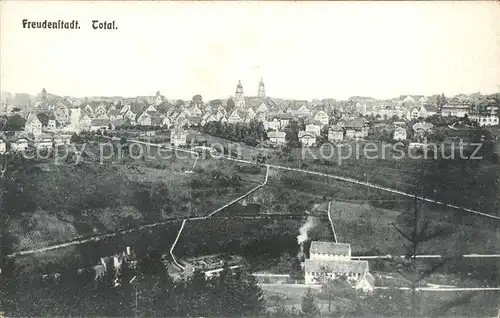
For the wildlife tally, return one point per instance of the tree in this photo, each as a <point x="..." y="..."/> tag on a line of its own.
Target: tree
<point x="251" y="295"/>
<point x="230" y="105"/>
<point x="416" y="232"/>
<point x="309" y="307"/>
<point x="197" y="99"/>
<point x="179" y="103"/>
<point x="15" y="123"/>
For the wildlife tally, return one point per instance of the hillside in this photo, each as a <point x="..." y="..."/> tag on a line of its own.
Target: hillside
<point x="51" y="203"/>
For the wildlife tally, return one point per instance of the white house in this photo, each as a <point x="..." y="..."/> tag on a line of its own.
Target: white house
<point x="303" y="111"/>
<point x="455" y="109"/>
<point x="415" y="113"/>
<point x="329" y="260"/>
<point x="321" y="117"/>
<point x="485" y="120"/>
<point x="422" y="127"/>
<point x="144" y="119"/>
<point x="19" y="144"/>
<point x="44" y="142"/>
<point x="329" y="251"/>
<point x="399" y="133"/>
<point x="427" y="111"/>
<point x="273" y="123"/>
<point x="314" y="127"/>
<point x="178" y="137"/>
<point x="335" y="134"/>
<point x="51" y="125"/>
<point x="277" y="137"/>
<point x="262" y="108"/>
<point x="33" y="125"/>
<point x="307" y="139"/>
<point x="151" y="108"/>
<point x="99" y="124"/>
<point x="166" y="122"/>
<point x="85" y="122"/>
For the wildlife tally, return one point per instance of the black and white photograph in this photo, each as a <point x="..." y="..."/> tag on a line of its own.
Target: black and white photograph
<point x="250" y="159"/>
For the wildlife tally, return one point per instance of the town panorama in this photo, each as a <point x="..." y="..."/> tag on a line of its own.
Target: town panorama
<point x="250" y="205"/>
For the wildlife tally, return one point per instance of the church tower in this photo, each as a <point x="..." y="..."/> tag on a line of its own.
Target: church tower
<point x="239" y="100"/>
<point x="158" y="98"/>
<point x="262" y="89"/>
<point x="44" y="94"/>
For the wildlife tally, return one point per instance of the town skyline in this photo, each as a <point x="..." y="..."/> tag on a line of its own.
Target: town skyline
<point x="245" y="95"/>
<point x="335" y="50"/>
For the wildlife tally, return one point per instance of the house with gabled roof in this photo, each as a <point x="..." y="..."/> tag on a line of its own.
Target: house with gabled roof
<point x="355" y="127"/>
<point x="194" y="110"/>
<point x="428" y="110"/>
<point x="181" y="120"/>
<point x="144" y="119"/>
<point x="194" y="120"/>
<point x="125" y="109"/>
<point x="335" y="133"/>
<point x="250" y="113"/>
<point x="33" y="125"/>
<point x="455" y="109"/>
<point x="272" y="123"/>
<point x="130" y="116"/>
<point x="166" y="122"/>
<point x="303" y="111"/>
<point x="307" y="138"/>
<point x="322" y="117"/>
<point x="207" y="119"/>
<point x="19" y="142"/>
<point x="151" y="108"/>
<point x="320" y="250"/>
<point x="237" y="116"/>
<point x="85" y="121"/>
<point x="100" y="110"/>
<point x="277" y="137"/>
<point x="313" y="126"/>
<point x="329" y="260"/>
<point x="114" y="114"/>
<point x="399" y="134"/>
<point x="44" y="141"/>
<point x="262" y="108"/>
<point x="87" y="109"/>
<point x="178" y="137"/>
<point x="99" y="124"/>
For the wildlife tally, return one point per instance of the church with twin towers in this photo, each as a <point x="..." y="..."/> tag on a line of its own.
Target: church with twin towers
<point x="239" y="98"/>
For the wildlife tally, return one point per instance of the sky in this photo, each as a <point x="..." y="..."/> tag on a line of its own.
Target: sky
<point x="302" y="50"/>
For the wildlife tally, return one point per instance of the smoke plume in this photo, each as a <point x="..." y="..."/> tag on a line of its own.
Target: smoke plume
<point x="303" y="234"/>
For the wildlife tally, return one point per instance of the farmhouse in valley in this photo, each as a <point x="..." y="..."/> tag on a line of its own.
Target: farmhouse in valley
<point x="329" y="260"/>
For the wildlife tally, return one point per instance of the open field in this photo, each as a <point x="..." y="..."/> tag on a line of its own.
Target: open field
<point x="382" y="303"/>
<point x="52" y="203"/>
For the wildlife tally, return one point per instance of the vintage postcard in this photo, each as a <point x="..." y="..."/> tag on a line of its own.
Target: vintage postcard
<point x="249" y="159"/>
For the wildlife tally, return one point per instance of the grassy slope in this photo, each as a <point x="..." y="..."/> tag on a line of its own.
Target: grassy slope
<point x="91" y="199"/>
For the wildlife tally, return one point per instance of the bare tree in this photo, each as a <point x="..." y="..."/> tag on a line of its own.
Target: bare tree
<point x="3" y="167"/>
<point x="416" y="233"/>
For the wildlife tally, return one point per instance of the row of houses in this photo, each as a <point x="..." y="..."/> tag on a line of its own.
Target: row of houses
<point x="356" y="128"/>
<point x="21" y="141"/>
